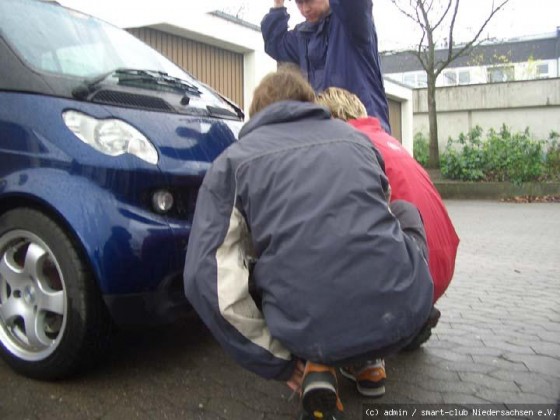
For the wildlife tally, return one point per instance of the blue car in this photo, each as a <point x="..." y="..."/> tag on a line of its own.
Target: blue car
<point x="103" y="146"/>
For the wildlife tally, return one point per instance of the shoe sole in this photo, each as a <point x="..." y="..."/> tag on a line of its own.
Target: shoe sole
<point x="319" y="399"/>
<point x="306" y="416"/>
<point x="426" y="332"/>
<point x="434" y="317"/>
<point x="367" y="392"/>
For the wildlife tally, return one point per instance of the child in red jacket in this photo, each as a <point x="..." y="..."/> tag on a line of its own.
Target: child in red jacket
<point x="408" y="182"/>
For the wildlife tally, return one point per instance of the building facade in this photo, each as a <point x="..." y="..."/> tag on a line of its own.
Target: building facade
<point x="528" y="58"/>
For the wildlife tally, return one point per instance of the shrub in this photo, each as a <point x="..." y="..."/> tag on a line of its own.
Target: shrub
<point x="421" y="149"/>
<point x="514" y="157"/>
<point x="552" y="161"/>
<point x="464" y="158"/>
<point x="502" y="156"/>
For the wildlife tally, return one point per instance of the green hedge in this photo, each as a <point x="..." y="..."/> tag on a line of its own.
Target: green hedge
<point x="500" y="156"/>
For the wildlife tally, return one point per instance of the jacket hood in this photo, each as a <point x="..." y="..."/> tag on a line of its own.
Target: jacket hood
<point x="285" y="111"/>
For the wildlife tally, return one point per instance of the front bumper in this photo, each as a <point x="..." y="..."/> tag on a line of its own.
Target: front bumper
<point x="161" y="306"/>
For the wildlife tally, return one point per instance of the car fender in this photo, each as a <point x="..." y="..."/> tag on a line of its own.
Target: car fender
<point x="128" y="249"/>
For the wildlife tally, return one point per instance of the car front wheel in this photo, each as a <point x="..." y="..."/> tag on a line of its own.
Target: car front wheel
<point x="53" y="322"/>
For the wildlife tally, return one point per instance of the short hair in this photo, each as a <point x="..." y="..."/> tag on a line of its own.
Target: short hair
<point x="343" y="104"/>
<point x="286" y="84"/>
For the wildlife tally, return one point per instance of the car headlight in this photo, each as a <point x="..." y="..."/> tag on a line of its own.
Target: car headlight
<point x="111" y="136"/>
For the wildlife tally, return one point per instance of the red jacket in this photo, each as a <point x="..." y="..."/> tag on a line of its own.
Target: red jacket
<point x="410" y="182"/>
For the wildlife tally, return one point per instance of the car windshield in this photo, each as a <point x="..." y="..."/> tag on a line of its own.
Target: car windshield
<point x="62" y="41"/>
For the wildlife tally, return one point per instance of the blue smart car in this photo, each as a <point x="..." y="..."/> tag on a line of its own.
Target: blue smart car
<point x="103" y="146"/>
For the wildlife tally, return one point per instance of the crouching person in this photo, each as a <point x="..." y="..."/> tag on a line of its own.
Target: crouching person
<point x="298" y="207"/>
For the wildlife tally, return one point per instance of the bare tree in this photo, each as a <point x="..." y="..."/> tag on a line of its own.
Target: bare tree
<point x="432" y="16"/>
<point x="237" y="9"/>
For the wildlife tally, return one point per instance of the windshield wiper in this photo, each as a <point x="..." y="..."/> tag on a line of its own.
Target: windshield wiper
<point x="238" y="111"/>
<point x="158" y="78"/>
<point x="126" y="75"/>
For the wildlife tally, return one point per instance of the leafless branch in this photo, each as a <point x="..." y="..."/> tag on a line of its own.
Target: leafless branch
<point x="452" y="55"/>
<point x="419" y="53"/>
<point x="409" y="15"/>
<point x="451" y="29"/>
<point x="436" y="25"/>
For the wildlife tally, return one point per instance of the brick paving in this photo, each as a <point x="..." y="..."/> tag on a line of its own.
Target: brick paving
<point x="498" y="341"/>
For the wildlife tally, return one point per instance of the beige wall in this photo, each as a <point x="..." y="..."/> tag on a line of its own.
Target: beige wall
<point x="395" y="119"/>
<point x="534" y="104"/>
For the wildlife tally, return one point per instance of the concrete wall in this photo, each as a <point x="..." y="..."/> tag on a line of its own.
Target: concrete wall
<point x="534" y="104"/>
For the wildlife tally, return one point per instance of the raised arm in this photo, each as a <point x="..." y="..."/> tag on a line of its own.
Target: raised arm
<point x="357" y="17"/>
<point x="280" y="43"/>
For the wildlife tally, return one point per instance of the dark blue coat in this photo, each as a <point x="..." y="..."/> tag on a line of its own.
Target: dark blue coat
<point x="339" y="273"/>
<point x="340" y="50"/>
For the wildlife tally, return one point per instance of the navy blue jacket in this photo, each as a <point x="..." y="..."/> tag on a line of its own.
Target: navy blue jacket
<point x="339" y="273"/>
<point x="338" y="51"/>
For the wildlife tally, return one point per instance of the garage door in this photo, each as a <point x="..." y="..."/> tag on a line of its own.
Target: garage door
<point x="219" y="68"/>
<point x="395" y="118"/>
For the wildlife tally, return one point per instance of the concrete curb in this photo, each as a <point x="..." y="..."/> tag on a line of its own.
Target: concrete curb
<point x="494" y="190"/>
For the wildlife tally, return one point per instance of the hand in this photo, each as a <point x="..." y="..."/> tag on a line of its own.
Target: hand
<point x="388" y="193"/>
<point x="295" y="381"/>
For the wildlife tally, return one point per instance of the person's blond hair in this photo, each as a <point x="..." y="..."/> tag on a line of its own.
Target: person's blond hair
<point x="343" y="105"/>
<point x="286" y="84"/>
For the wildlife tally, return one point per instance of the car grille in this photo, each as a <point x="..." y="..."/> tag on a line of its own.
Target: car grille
<point x="185" y="201"/>
<point x="132" y="100"/>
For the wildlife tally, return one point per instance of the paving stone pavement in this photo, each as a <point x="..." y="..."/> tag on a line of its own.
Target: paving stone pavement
<point x="498" y="341"/>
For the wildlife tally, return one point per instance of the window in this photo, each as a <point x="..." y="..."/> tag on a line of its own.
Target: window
<point x="500" y="74"/>
<point x="422" y="80"/>
<point x="456" y="77"/>
<point x="417" y="79"/>
<point x="410" y="80"/>
<point x="450" y="78"/>
<point x="68" y="43"/>
<point x="542" y="71"/>
<point x="464" y="77"/>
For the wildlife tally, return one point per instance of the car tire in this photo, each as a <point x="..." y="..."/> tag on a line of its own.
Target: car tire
<point x="53" y="322"/>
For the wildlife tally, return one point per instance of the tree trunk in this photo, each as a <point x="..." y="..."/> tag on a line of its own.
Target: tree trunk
<point x="433" y="159"/>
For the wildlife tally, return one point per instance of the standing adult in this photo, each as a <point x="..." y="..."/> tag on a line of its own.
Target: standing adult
<point x="335" y="46"/>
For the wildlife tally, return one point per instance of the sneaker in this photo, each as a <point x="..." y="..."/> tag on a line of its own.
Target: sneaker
<point x="331" y="416"/>
<point x="426" y="331"/>
<point x="369" y="377"/>
<point x="319" y="396"/>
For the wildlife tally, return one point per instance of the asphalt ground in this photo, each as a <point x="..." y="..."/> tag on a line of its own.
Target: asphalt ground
<point x="497" y="342"/>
